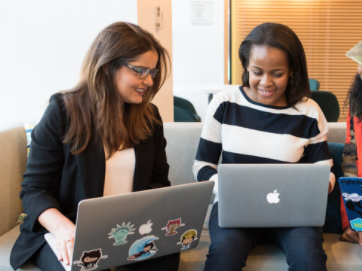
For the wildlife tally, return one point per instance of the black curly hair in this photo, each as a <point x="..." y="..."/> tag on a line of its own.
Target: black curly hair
<point x="354" y="98"/>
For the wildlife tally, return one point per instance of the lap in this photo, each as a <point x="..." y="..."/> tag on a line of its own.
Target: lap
<point x="45" y="257"/>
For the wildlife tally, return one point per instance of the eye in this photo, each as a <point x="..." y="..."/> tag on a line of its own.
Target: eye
<point x="257" y="72"/>
<point x="143" y="72"/>
<point x="278" y="75"/>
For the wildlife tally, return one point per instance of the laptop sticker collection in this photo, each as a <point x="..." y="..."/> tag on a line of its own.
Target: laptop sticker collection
<point x="142" y="248"/>
<point x="353" y="201"/>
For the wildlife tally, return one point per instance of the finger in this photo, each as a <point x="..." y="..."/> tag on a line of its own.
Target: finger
<point x="353" y="236"/>
<point x="59" y="254"/>
<point x="70" y="246"/>
<point x="346" y="237"/>
<point x="360" y="238"/>
<point x="65" y="252"/>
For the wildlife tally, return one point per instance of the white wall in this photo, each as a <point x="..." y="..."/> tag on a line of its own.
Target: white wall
<point x="198" y="46"/>
<point x="42" y="47"/>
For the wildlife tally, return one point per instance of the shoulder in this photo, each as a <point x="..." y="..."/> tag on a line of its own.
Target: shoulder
<point x="54" y="117"/>
<point x="309" y="108"/>
<point x="156" y="112"/>
<point x="231" y="93"/>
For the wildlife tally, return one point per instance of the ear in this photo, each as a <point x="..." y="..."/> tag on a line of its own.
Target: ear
<point x="105" y="69"/>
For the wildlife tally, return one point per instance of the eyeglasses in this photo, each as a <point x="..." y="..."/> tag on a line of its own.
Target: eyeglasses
<point x="142" y="72"/>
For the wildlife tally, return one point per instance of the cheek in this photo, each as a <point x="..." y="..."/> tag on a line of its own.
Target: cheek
<point x="283" y="82"/>
<point x="253" y="80"/>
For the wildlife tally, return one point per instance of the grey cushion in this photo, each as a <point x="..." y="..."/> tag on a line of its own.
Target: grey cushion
<point x="7" y="241"/>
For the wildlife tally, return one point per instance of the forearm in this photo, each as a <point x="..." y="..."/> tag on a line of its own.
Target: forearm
<point x="54" y="221"/>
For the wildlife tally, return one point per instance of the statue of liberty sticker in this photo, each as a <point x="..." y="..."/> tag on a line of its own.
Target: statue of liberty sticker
<point x="121" y="232"/>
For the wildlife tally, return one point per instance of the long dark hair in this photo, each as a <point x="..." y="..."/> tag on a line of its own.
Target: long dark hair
<point x="281" y="37"/>
<point x="354" y="97"/>
<point x="95" y="105"/>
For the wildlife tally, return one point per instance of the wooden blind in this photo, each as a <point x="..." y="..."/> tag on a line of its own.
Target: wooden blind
<point x="326" y="28"/>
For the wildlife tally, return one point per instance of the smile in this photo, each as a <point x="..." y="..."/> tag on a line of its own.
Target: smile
<point x="265" y="91"/>
<point x="140" y="91"/>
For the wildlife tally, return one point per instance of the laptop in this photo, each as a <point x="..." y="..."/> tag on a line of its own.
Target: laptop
<point x="351" y="189"/>
<point x="124" y="229"/>
<point x="272" y="195"/>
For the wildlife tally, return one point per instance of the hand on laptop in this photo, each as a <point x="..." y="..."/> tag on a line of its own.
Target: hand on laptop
<point x="65" y="243"/>
<point x="64" y="231"/>
<point x="352" y="236"/>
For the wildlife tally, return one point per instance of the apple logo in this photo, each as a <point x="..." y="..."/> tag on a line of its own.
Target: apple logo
<point x="273" y="197"/>
<point x="145" y="228"/>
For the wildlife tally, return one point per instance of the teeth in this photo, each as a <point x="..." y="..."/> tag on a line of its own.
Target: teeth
<point x="265" y="92"/>
<point x="140" y="90"/>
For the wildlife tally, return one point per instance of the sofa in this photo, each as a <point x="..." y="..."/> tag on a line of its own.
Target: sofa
<point x="182" y="140"/>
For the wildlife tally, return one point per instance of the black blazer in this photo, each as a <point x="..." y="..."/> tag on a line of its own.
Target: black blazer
<point x="55" y="178"/>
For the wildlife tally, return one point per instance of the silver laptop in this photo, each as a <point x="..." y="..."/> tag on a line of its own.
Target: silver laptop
<point x="272" y="195"/>
<point x="124" y="229"/>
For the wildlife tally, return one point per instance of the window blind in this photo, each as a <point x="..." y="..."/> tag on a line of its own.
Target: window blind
<point x="326" y="28"/>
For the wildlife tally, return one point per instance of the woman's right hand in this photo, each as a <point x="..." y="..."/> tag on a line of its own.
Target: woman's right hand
<point x="64" y="231"/>
<point x="65" y="242"/>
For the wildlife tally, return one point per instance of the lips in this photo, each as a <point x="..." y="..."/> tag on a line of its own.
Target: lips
<point x="140" y="91"/>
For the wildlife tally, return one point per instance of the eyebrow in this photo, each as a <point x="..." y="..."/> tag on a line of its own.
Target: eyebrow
<point x="281" y="69"/>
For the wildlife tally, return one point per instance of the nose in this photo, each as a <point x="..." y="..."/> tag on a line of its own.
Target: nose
<point x="359" y="70"/>
<point x="148" y="81"/>
<point x="266" y="80"/>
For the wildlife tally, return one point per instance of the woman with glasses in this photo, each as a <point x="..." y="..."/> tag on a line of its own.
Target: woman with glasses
<point x="93" y="141"/>
<point x="268" y="119"/>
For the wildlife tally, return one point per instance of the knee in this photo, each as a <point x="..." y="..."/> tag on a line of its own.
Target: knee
<point x="307" y="259"/>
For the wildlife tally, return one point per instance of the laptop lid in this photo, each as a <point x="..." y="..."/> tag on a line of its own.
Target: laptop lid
<point x="351" y="189"/>
<point x="119" y="230"/>
<point x="272" y="195"/>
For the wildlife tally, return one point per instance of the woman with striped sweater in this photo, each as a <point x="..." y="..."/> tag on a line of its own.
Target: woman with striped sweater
<point x="268" y="119"/>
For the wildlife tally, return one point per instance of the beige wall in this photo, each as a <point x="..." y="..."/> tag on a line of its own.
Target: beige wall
<point x="146" y="10"/>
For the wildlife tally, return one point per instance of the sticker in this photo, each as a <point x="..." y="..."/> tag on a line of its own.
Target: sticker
<point x="90" y="259"/>
<point x="187" y="238"/>
<point x="143" y="248"/>
<point x="120" y="233"/>
<point x="171" y="226"/>
<point x="146" y="228"/>
<point x="356" y="224"/>
<point x="353" y="197"/>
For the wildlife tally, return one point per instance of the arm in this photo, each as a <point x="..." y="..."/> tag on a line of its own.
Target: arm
<point x="160" y="167"/>
<point x="317" y="149"/>
<point x="43" y="175"/>
<point x="210" y="145"/>
<point x="349" y="168"/>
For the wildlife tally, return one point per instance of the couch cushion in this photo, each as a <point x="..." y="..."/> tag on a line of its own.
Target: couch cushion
<point x="6" y="243"/>
<point x="13" y="161"/>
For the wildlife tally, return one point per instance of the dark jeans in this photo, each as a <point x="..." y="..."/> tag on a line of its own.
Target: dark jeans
<point x="230" y="247"/>
<point x="45" y="259"/>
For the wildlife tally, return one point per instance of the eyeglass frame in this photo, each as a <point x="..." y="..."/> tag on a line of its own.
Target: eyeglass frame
<point x="139" y="70"/>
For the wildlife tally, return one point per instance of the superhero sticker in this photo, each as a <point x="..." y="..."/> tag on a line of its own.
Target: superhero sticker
<point x="171" y="226"/>
<point x="90" y="259"/>
<point x="120" y="233"/>
<point x="143" y="248"/>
